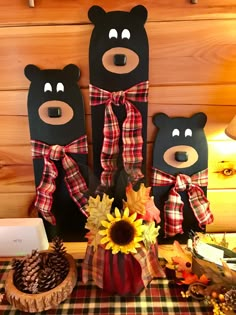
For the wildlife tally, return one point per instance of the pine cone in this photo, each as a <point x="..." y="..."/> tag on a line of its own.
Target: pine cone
<point x="58" y="246"/>
<point x="59" y="264"/>
<point x="47" y="279"/>
<point x="17" y="266"/>
<point x="230" y="298"/>
<point x="31" y="267"/>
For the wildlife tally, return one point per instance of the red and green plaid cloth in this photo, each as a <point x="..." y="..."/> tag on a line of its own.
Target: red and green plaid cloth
<point x="173" y="208"/>
<point x="125" y="273"/>
<point x="74" y="180"/>
<point x="131" y="130"/>
<point x="161" y="297"/>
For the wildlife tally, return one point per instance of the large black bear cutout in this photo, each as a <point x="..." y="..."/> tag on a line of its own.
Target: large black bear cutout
<point x="180" y="148"/>
<point x="56" y="117"/>
<point x="118" y="60"/>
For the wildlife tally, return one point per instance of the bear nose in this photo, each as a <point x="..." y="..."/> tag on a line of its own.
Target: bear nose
<point x="181" y="156"/>
<point x="119" y="60"/>
<point x="54" y="112"/>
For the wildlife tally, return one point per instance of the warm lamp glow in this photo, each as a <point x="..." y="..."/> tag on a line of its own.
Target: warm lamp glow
<point x="231" y="129"/>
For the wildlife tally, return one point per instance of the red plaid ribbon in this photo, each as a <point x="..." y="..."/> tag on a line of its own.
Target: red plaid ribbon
<point x="173" y="209"/>
<point x="75" y="182"/>
<point x="131" y="131"/>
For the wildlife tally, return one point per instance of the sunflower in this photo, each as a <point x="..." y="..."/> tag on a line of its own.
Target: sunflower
<point x="122" y="233"/>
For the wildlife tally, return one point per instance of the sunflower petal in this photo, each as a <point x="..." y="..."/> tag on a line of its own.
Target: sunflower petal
<point x="110" y="217"/>
<point x="105" y="223"/>
<point x="126" y="213"/>
<point x="104" y="240"/>
<point x="117" y="213"/>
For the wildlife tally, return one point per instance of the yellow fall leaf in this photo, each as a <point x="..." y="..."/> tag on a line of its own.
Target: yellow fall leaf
<point x="136" y="200"/>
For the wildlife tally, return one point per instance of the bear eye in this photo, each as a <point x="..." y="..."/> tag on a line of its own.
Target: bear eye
<point x="125" y="34"/>
<point x="175" y="132"/>
<point x="113" y="33"/>
<point x="60" y="87"/>
<point x="188" y="133"/>
<point x="47" y="87"/>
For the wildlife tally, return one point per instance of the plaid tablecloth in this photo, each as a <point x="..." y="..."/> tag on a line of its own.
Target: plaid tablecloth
<point x="161" y="297"/>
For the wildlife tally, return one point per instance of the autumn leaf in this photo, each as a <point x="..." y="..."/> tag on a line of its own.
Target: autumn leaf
<point x="152" y="212"/>
<point x="98" y="209"/>
<point x="182" y="259"/>
<point x="190" y="277"/>
<point x="150" y="234"/>
<point x="93" y="238"/>
<point x="137" y="200"/>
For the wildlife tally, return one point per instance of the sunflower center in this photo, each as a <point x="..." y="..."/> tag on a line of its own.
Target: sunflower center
<point x="122" y="232"/>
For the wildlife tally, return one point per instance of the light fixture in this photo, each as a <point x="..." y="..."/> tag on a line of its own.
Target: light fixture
<point x="231" y="129"/>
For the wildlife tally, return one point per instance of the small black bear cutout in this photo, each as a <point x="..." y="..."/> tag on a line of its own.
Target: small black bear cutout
<point x="59" y="149"/>
<point x="179" y="181"/>
<point x="118" y="61"/>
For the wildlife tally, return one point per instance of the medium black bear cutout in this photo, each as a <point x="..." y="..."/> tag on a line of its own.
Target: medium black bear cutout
<point x="179" y="179"/>
<point x="118" y="62"/>
<point x="59" y="149"/>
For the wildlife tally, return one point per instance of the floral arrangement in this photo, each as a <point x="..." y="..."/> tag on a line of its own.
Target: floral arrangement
<point x="123" y="230"/>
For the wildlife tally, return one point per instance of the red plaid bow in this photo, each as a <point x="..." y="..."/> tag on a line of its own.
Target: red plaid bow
<point x="131" y="131"/>
<point x="75" y="182"/>
<point x="173" y="209"/>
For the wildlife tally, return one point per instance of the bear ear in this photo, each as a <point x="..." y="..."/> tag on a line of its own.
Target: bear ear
<point x="160" y="119"/>
<point x="72" y="72"/>
<point x="31" y="72"/>
<point x="199" y="119"/>
<point x="96" y="14"/>
<point x="140" y="12"/>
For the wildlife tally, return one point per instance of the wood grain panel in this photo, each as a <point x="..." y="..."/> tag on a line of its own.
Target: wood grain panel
<point x="178" y="55"/>
<point x="222" y="165"/>
<point x="70" y="11"/>
<point x="223" y="204"/>
<point x="16" y="205"/>
<point x="14" y="130"/>
<point x="16" y="178"/>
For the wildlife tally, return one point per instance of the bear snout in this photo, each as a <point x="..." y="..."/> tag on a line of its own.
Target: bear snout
<point x="120" y="60"/>
<point x="55" y="112"/>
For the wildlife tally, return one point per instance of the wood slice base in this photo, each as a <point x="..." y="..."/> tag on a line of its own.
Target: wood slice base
<point x="42" y="301"/>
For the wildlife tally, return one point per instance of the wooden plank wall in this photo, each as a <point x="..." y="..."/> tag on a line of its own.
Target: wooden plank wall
<point x="192" y="68"/>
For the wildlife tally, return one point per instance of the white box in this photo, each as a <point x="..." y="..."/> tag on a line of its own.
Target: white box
<point x="18" y="237"/>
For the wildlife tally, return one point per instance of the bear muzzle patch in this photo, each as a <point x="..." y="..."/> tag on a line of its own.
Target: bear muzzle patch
<point x="120" y="60"/>
<point x="180" y="156"/>
<point x="55" y="112"/>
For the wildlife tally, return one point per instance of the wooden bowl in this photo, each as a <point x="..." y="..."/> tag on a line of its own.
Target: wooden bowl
<point x="41" y="301"/>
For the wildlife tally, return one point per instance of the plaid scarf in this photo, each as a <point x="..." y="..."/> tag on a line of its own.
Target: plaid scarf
<point x="93" y="267"/>
<point x="131" y="131"/>
<point x="173" y="209"/>
<point x="75" y="182"/>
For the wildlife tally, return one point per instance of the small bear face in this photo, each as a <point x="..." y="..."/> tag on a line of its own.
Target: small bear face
<point x="55" y="103"/>
<point x="118" y="44"/>
<point x="180" y="145"/>
<point x="52" y="89"/>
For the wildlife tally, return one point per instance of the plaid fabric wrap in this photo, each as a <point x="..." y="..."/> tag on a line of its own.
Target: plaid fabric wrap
<point x="75" y="182"/>
<point x="173" y="209"/>
<point x="131" y="131"/>
<point x="94" y="268"/>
